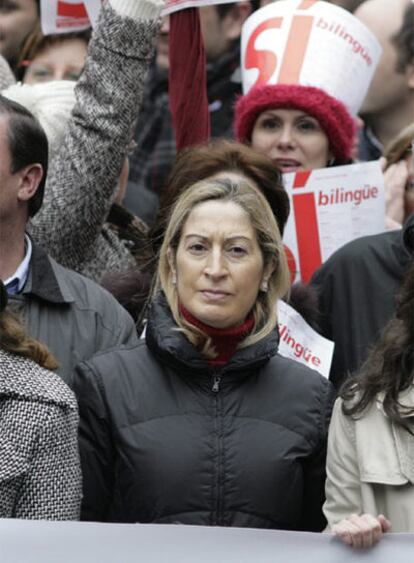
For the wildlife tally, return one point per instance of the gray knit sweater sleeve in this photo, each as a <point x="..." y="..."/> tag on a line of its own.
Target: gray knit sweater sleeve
<point x="83" y="176"/>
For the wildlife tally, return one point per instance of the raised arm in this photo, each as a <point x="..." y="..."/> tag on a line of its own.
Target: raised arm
<point x="83" y="176"/>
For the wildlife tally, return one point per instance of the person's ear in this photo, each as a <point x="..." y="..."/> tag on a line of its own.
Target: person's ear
<point x="30" y="178"/>
<point x="171" y="262"/>
<point x="267" y="274"/>
<point x="235" y="18"/>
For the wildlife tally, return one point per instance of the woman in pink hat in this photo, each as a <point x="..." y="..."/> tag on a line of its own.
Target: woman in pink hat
<point x="298" y="127"/>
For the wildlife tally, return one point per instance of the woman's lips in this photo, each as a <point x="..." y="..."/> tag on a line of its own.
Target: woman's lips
<point x="214" y="294"/>
<point x="287" y="164"/>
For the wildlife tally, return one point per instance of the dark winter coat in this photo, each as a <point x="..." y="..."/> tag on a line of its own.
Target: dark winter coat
<point x="358" y="288"/>
<point x="72" y="315"/>
<point x="166" y="439"/>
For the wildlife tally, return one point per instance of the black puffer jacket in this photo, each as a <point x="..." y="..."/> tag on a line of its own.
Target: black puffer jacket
<point x="165" y="439"/>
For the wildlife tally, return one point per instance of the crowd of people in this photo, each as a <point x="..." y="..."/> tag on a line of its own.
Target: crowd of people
<point x="139" y="366"/>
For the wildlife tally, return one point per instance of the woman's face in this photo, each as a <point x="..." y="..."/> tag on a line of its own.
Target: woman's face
<point x="60" y="61"/>
<point x="293" y="139"/>
<point x="218" y="265"/>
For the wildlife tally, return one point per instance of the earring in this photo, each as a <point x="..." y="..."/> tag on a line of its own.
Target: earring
<point x="264" y="286"/>
<point x="174" y="279"/>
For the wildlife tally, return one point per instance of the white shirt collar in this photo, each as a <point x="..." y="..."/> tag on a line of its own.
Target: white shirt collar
<point x="16" y="282"/>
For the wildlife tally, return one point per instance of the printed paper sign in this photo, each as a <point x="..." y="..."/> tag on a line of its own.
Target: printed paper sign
<point x="313" y="43"/>
<point x="299" y="342"/>
<point x="330" y="207"/>
<point x="177" y="5"/>
<point x="64" y="16"/>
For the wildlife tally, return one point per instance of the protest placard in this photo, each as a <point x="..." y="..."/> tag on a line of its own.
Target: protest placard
<point x="73" y="542"/>
<point x="299" y="342"/>
<point x="312" y="43"/>
<point x="177" y="5"/>
<point x="64" y="16"/>
<point x="330" y="207"/>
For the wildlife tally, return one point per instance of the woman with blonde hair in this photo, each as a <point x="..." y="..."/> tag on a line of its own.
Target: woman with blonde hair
<point x="203" y="422"/>
<point x="39" y="462"/>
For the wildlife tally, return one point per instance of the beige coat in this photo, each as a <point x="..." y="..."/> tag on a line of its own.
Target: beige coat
<point x="370" y="466"/>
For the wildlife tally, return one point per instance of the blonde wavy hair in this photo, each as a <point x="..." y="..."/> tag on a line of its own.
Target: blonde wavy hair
<point x="252" y="201"/>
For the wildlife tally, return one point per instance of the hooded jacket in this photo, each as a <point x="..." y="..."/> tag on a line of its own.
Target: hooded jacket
<point x="164" y="438"/>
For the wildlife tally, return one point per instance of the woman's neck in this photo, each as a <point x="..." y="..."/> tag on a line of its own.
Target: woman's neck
<point x="224" y="340"/>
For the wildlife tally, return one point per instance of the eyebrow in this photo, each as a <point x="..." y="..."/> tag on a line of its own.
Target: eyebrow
<point x="233" y="237"/>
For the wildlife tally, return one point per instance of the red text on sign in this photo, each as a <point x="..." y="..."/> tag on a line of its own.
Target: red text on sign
<point x="340" y="195"/>
<point x="299" y="351"/>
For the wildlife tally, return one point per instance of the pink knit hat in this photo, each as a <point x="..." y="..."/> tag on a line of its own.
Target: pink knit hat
<point x="331" y="114"/>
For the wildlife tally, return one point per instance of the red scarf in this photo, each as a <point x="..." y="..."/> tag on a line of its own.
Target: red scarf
<point x="225" y="340"/>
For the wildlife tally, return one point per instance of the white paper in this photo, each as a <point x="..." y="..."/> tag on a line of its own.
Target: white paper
<point x="72" y="542"/>
<point x="299" y="342"/>
<point x="341" y="204"/>
<point x="65" y="16"/>
<point x="177" y="5"/>
<point x="313" y="43"/>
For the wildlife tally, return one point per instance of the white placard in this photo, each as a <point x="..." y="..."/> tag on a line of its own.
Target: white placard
<point x="25" y="541"/>
<point x="313" y="43"/>
<point x="299" y="342"/>
<point x="64" y="16"/>
<point x="172" y="6"/>
<point x="329" y="208"/>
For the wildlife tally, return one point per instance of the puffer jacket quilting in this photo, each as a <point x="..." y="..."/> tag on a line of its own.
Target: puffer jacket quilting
<point x="159" y="445"/>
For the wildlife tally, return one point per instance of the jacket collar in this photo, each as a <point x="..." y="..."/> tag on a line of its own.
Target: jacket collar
<point x="172" y="347"/>
<point x="406" y="400"/>
<point x="43" y="280"/>
<point x="404" y="443"/>
<point x="19" y="379"/>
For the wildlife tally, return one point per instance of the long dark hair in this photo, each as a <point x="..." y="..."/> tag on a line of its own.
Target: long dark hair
<point x="389" y="368"/>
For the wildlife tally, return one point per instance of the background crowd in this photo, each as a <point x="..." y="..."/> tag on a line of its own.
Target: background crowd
<point x="147" y="278"/>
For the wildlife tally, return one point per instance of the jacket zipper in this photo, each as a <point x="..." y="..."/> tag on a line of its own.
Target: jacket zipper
<point x="216" y="383"/>
<point x="219" y="428"/>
